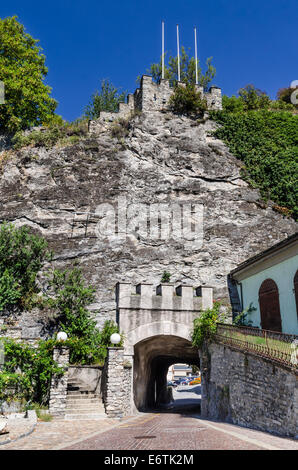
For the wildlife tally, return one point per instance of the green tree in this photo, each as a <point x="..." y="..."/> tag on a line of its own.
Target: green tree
<point x="29" y="369"/>
<point x="232" y="104"/>
<point x="21" y="257"/>
<point x="285" y="94"/>
<point x="266" y="142"/>
<point x="107" y="99"/>
<point x="22" y="69"/>
<point x="70" y="298"/>
<point x="186" y="100"/>
<point x="254" y="98"/>
<point x="187" y="70"/>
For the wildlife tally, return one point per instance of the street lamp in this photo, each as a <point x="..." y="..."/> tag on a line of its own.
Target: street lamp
<point x="115" y="338"/>
<point x="61" y="336"/>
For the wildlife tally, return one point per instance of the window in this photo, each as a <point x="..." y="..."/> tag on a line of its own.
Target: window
<point x="269" y="306"/>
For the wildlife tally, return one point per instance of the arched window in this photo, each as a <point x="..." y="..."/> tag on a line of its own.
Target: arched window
<point x="269" y="306"/>
<point x="296" y="290"/>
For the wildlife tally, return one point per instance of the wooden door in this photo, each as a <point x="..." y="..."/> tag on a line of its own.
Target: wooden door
<point x="269" y="306"/>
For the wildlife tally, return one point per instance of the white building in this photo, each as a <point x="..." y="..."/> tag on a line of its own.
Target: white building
<point x="269" y="283"/>
<point x="179" y="370"/>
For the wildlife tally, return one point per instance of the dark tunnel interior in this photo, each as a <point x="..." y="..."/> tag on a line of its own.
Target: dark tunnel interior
<point x="152" y="359"/>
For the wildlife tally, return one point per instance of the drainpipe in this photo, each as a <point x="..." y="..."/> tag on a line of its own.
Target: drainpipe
<point x="234" y="295"/>
<point x="241" y="294"/>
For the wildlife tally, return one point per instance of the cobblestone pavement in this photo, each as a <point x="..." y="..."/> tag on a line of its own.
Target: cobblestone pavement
<point x="16" y="429"/>
<point x="173" y="431"/>
<point x="48" y="435"/>
<point x="151" y="431"/>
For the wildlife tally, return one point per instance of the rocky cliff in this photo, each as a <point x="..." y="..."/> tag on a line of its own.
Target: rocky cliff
<point x="155" y="158"/>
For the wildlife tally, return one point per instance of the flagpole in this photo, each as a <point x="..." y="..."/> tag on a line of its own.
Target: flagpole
<point x="163" y="51"/>
<point x="196" y="56"/>
<point x="178" y="53"/>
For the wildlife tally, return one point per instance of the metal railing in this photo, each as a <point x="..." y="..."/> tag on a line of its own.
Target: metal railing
<point x="278" y="347"/>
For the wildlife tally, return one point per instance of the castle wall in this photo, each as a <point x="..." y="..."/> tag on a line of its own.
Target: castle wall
<point x="153" y="96"/>
<point x="168" y="311"/>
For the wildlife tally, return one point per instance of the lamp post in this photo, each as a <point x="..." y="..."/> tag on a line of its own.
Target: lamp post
<point x="115" y="339"/>
<point x="61" y="336"/>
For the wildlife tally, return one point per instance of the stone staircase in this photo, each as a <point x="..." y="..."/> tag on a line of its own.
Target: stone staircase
<point x="82" y="403"/>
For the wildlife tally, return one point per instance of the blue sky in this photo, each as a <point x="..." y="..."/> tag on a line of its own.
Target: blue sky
<point x="250" y="41"/>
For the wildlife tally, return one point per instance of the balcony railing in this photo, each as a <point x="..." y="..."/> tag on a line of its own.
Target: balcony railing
<point x="279" y="347"/>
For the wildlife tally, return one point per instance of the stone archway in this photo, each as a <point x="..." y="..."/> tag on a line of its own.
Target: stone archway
<point x="152" y="358"/>
<point x="157" y="326"/>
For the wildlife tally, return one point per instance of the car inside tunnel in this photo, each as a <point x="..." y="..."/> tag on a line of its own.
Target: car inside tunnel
<point x="152" y="359"/>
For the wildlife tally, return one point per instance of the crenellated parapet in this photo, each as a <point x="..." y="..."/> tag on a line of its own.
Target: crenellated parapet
<point x="152" y="96"/>
<point x="164" y="297"/>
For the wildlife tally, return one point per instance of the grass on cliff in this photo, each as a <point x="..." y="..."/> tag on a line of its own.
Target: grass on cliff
<point x="267" y="142"/>
<point x="57" y="134"/>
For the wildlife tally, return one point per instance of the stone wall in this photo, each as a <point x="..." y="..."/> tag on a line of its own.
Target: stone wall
<point x="58" y="389"/>
<point x="144" y="312"/>
<point x="248" y="390"/>
<point x="88" y="376"/>
<point x="117" y="384"/>
<point x="150" y="97"/>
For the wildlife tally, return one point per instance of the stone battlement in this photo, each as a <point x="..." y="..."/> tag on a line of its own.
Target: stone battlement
<point x="163" y="297"/>
<point x="153" y="96"/>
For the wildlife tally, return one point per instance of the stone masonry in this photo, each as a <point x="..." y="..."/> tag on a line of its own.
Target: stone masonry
<point x="250" y="391"/>
<point x="144" y="312"/>
<point x="156" y="324"/>
<point x="117" y="384"/>
<point x="58" y="389"/>
<point x="153" y="96"/>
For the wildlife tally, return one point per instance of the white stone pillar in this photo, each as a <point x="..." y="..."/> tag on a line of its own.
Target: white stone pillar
<point x="114" y="396"/>
<point x="58" y="389"/>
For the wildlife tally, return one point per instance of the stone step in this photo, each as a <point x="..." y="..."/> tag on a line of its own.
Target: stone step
<point x="90" y="416"/>
<point x="84" y="394"/>
<point x="91" y="401"/>
<point x="84" y="411"/>
<point x="79" y="388"/>
<point x="80" y="406"/>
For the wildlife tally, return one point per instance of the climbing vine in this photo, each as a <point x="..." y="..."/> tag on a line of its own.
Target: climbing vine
<point x="205" y="325"/>
<point x="266" y="142"/>
<point x="27" y="371"/>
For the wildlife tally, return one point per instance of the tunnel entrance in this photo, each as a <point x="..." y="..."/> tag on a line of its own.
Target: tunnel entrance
<point x="152" y="359"/>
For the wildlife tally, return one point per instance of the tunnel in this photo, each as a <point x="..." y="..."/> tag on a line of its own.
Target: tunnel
<point x="152" y="358"/>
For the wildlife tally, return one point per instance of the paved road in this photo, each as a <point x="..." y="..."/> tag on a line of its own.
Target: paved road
<point x="185" y="395"/>
<point x="180" y="431"/>
<point x="177" y="428"/>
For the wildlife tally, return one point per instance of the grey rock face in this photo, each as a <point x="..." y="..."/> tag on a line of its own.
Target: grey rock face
<point x="164" y="159"/>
